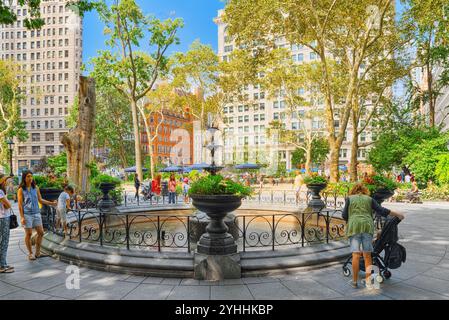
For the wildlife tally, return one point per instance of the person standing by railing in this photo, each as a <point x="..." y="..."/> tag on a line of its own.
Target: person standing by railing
<point x="156" y="185"/>
<point x="299" y="181"/>
<point x="63" y="206"/>
<point x="136" y="185"/>
<point x="185" y="189"/>
<point x="29" y="197"/>
<point x="172" y="189"/>
<point x="358" y="212"/>
<point x="5" y="213"/>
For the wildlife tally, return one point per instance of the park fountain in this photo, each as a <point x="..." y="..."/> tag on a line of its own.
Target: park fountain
<point x="216" y="257"/>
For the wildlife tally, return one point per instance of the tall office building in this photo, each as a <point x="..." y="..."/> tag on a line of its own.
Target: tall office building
<point x="51" y="58"/>
<point x="246" y="124"/>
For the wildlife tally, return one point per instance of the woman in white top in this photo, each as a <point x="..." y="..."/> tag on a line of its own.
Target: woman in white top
<point x="5" y="207"/>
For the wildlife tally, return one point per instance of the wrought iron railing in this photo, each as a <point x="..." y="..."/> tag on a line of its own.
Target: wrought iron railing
<point x="289" y="229"/>
<point x="283" y="197"/>
<point x="165" y="232"/>
<point x="130" y="231"/>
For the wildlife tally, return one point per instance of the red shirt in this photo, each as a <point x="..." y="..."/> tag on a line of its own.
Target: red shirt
<point x="155" y="187"/>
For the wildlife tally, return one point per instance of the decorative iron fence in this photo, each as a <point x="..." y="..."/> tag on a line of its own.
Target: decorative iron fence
<point x="289" y="229"/>
<point x="162" y="232"/>
<point x="283" y="197"/>
<point x="130" y="231"/>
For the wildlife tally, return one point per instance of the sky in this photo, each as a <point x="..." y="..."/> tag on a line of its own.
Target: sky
<point x="198" y="18"/>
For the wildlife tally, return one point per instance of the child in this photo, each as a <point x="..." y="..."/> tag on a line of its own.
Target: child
<point x="63" y="206"/>
<point x="185" y="189"/>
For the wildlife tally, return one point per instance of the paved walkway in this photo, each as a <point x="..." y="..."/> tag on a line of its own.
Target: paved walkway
<point x="425" y="275"/>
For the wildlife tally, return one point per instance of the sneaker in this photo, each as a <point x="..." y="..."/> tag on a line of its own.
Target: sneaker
<point x="369" y="285"/>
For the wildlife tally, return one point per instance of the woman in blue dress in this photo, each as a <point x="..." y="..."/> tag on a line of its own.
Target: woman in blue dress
<point x="29" y="197"/>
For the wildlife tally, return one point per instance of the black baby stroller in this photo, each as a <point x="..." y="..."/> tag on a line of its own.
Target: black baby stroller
<point x="387" y="242"/>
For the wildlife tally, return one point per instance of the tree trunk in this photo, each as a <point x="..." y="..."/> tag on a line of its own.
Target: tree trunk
<point x="334" y="158"/>
<point x="431" y="99"/>
<point x="354" y="151"/>
<point x="78" y="141"/>
<point x="309" y="159"/>
<point x="137" y="149"/>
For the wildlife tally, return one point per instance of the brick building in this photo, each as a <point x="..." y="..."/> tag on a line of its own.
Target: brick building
<point x="174" y="142"/>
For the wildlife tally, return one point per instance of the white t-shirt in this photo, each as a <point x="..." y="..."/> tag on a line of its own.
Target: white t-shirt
<point x="407" y="179"/>
<point x="4" y="213"/>
<point x="63" y="197"/>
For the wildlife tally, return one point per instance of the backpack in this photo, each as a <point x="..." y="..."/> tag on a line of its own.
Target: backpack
<point x="395" y="255"/>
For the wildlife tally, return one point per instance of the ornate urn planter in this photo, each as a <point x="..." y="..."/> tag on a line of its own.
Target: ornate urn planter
<point x="106" y="202"/>
<point x="316" y="203"/>
<point x="216" y="240"/>
<point x="50" y="194"/>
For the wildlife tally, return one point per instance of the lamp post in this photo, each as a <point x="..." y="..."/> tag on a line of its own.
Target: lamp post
<point x="11" y="148"/>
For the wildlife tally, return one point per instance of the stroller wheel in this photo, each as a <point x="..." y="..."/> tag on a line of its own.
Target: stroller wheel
<point x="346" y="272"/>
<point x="387" y="274"/>
<point x="380" y="279"/>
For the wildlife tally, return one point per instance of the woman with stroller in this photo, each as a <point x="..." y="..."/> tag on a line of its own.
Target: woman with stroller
<point x="360" y="227"/>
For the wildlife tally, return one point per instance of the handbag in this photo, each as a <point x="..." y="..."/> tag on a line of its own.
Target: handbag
<point x="13" y="223"/>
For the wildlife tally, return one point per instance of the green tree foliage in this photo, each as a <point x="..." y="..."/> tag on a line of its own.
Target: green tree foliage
<point x="113" y="127"/>
<point x="10" y="97"/>
<point x="424" y="157"/>
<point x="58" y="164"/>
<point x="428" y="23"/>
<point x="347" y="33"/>
<point x="320" y="150"/>
<point x="34" y="21"/>
<point x="131" y="72"/>
<point x="442" y="169"/>
<point x="391" y="148"/>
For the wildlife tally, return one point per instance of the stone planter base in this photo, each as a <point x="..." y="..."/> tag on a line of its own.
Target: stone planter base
<point x="217" y="267"/>
<point x="199" y="223"/>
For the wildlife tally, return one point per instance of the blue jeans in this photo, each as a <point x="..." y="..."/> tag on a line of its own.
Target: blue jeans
<point x="171" y="197"/>
<point x="4" y="240"/>
<point x="364" y="240"/>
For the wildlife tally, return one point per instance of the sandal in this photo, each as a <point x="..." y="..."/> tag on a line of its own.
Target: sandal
<point x="41" y="255"/>
<point x="354" y="284"/>
<point x="7" y="269"/>
<point x="31" y="257"/>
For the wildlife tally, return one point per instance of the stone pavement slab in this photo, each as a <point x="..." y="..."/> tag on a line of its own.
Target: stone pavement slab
<point x="149" y="292"/>
<point x="425" y="275"/>
<point x="190" y="292"/>
<point x="233" y="292"/>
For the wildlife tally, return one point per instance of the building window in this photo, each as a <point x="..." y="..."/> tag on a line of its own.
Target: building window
<point x="36" y="150"/>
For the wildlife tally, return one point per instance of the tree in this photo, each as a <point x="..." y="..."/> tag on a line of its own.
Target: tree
<point x="442" y="169"/>
<point x="156" y="104"/>
<point x="8" y="16"/>
<point x="424" y="157"/>
<point x="132" y="73"/>
<point x="334" y="30"/>
<point x="196" y="70"/>
<point x="113" y="127"/>
<point x="392" y="147"/>
<point x="319" y="152"/>
<point x="284" y="78"/>
<point x="10" y="97"/>
<point x="428" y="22"/>
<point x="78" y="141"/>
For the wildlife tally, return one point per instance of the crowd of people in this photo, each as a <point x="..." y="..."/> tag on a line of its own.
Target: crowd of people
<point x="157" y="187"/>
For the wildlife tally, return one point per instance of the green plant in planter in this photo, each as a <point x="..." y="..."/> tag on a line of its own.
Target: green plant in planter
<point x="315" y="179"/>
<point x="217" y="185"/>
<point x="104" y="178"/>
<point x="44" y="182"/>
<point x="377" y="182"/>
